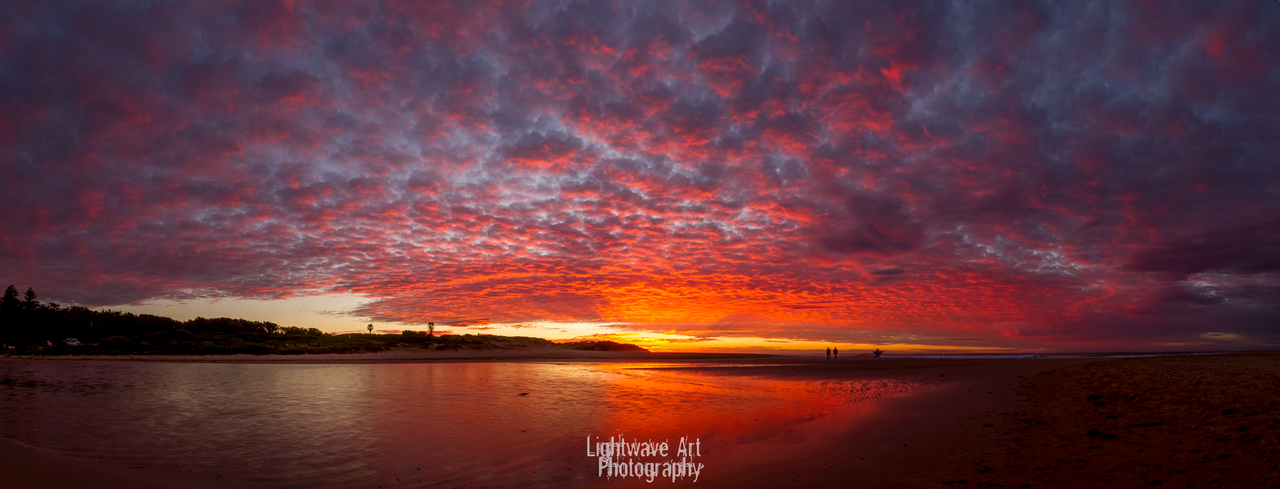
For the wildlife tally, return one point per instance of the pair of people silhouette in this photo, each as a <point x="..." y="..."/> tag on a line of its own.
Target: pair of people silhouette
<point x="833" y="351"/>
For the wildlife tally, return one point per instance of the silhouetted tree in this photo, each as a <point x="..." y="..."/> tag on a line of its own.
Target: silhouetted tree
<point x="10" y="303"/>
<point x="431" y="329"/>
<point x="370" y="328"/>
<point x="9" y="312"/>
<point x="29" y="303"/>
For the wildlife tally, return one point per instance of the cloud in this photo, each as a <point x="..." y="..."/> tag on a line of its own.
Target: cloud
<point x="1035" y="174"/>
<point x="1247" y="249"/>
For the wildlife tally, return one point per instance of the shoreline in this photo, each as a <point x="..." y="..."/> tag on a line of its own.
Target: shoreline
<point x="756" y="463"/>
<point x="897" y="441"/>
<point x="409" y="355"/>
<point x="1194" y="420"/>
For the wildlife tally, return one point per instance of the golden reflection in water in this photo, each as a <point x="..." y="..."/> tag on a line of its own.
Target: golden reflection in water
<point x="468" y="424"/>
<point x="655" y="400"/>
<point x="414" y="425"/>
<point x="744" y="422"/>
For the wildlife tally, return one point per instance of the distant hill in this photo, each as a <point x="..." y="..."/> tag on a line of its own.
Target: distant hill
<point x="602" y="346"/>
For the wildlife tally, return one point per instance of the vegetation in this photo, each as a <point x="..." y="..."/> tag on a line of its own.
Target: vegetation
<point x="31" y="327"/>
<point x="602" y="346"/>
<point x="428" y="339"/>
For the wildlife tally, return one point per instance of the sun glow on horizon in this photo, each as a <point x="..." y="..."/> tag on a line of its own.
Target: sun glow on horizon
<point x="681" y="175"/>
<point x="671" y="342"/>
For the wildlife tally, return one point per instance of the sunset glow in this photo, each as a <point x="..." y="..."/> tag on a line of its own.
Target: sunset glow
<point x="714" y="176"/>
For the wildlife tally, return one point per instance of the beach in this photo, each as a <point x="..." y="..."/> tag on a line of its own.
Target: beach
<point x="1175" y="421"/>
<point x="414" y="355"/>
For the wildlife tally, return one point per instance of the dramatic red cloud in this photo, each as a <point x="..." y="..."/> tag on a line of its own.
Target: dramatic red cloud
<point x="1034" y="177"/>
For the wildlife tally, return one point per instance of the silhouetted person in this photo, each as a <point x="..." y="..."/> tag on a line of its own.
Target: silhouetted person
<point x="877" y="352"/>
<point x="828" y="353"/>
<point x="835" y="352"/>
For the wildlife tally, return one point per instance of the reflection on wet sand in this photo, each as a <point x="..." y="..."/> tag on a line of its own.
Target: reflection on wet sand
<point x="414" y="425"/>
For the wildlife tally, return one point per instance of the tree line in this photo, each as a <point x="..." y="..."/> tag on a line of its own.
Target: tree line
<point x="28" y="325"/>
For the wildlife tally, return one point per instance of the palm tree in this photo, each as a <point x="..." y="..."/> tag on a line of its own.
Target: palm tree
<point x="431" y="329"/>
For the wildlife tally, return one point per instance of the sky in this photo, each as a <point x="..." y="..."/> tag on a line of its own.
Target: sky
<point x="718" y="176"/>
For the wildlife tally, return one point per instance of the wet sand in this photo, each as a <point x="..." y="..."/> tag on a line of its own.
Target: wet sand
<point x="24" y="467"/>
<point x="913" y="440"/>
<point x="1181" y="421"/>
<point x="413" y="355"/>
<point x="1177" y="421"/>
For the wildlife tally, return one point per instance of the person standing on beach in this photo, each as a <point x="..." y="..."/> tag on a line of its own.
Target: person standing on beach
<point x="836" y="352"/>
<point x="828" y="353"/>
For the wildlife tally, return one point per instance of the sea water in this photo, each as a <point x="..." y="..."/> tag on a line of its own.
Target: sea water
<point x="410" y="425"/>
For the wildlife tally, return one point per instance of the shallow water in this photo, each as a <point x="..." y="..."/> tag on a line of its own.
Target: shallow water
<point x="405" y="425"/>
